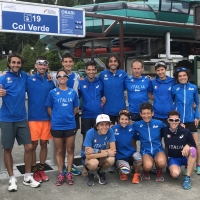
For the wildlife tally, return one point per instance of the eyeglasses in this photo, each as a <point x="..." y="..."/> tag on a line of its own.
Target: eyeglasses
<point x="42" y="62"/>
<point x="124" y="111"/>
<point x="160" y="64"/>
<point x="174" y="120"/>
<point x="181" y="69"/>
<point x="62" y="76"/>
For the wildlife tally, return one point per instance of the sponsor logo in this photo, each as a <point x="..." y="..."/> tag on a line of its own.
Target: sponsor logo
<point x="95" y="140"/>
<point x="155" y="126"/>
<point x="156" y="87"/>
<point x="181" y="136"/>
<point x="132" y="80"/>
<point x="10" y="7"/>
<point x="130" y="130"/>
<point x="141" y="125"/>
<point x="85" y="86"/>
<point x="170" y="88"/>
<point x="178" y="88"/>
<point x="49" y="11"/>
<point x="34" y="79"/>
<point x="57" y="93"/>
<point x="120" y="75"/>
<point x="97" y="86"/>
<point x="9" y="80"/>
<point x="169" y="136"/>
<point x="143" y="80"/>
<point x="190" y="88"/>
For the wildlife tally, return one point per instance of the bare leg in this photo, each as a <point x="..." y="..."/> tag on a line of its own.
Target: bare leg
<point x="160" y="160"/>
<point x="147" y="162"/>
<point x="43" y="151"/>
<point x="34" y="143"/>
<point x="8" y="159"/>
<point x="28" y="154"/>
<point x="106" y="162"/>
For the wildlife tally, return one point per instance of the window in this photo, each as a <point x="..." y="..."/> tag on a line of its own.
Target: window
<point x="88" y="9"/>
<point x="138" y="7"/>
<point x="104" y="7"/>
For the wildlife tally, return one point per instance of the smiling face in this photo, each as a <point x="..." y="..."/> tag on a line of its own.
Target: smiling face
<point x="15" y="64"/>
<point x="67" y="64"/>
<point x="146" y="115"/>
<point x="91" y="71"/>
<point x="137" y="69"/>
<point x="62" y="77"/>
<point x="103" y="127"/>
<point x="41" y="66"/>
<point x="123" y="120"/>
<point x="113" y="64"/>
<point x="161" y="72"/>
<point x="182" y="77"/>
<point x="173" y="121"/>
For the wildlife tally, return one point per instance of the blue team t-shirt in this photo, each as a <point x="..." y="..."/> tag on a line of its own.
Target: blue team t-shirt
<point x="96" y="141"/>
<point x="62" y="104"/>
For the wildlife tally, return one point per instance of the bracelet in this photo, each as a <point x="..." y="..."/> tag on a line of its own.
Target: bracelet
<point x="107" y="154"/>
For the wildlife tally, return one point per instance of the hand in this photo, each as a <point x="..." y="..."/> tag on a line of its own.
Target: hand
<point x="194" y="105"/>
<point x="50" y="78"/>
<point x="149" y="77"/>
<point x="89" y="150"/>
<point x="196" y="122"/>
<point x="183" y="125"/>
<point x="185" y="151"/>
<point x="103" y="100"/>
<point x="2" y="91"/>
<point x="82" y="78"/>
<point x="111" y="152"/>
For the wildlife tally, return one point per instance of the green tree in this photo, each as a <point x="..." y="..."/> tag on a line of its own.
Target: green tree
<point x="39" y="48"/>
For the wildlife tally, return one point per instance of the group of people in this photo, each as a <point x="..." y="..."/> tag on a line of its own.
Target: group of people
<point x="109" y="137"/>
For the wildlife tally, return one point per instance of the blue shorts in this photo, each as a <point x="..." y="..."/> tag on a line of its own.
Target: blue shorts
<point x="153" y="155"/>
<point x="177" y="161"/>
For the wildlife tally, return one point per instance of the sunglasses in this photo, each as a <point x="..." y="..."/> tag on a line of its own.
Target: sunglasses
<point x="181" y="69"/>
<point x="62" y="76"/>
<point x="160" y="64"/>
<point x="42" y="62"/>
<point x="174" y="120"/>
<point x="124" y="111"/>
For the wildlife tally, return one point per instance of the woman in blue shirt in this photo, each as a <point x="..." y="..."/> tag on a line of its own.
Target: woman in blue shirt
<point x="126" y="154"/>
<point x="62" y="103"/>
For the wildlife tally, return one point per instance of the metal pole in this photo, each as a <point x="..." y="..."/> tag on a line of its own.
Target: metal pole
<point x="52" y="153"/>
<point x="121" y="36"/>
<point x="167" y="45"/>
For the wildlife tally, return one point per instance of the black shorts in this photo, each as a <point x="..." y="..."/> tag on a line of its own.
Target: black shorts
<point x="191" y="126"/>
<point x="114" y="119"/>
<point x="77" y="121"/>
<point x="135" y="117"/>
<point x="63" y="133"/>
<point x="86" y="124"/>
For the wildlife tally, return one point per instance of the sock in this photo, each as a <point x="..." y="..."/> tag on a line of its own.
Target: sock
<point x="101" y="171"/>
<point x="34" y="169"/>
<point x="188" y="176"/>
<point x="27" y="175"/>
<point x="11" y="177"/>
<point x="41" y="167"/>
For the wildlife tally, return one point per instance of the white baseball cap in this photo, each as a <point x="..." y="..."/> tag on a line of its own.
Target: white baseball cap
<point x="102" y="118"/>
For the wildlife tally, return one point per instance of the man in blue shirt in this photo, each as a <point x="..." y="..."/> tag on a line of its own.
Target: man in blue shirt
<point x="113" y="80"/>
<point x="91" y="92"/>
<point x="38" y="87"/>
<point x="138" y="87"/>
<point x="13" y="120"/>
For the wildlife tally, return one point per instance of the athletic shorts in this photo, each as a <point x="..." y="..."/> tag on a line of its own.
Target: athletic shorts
<point x="77" y="121"/>
<point x="191" y="126"/>
<point x="135" y="117"/>
<point x="63" y="133"/>
<point x="114" y="119"/>
<point x="153" y="155"/>
<point x="177" y="161"/>
<point x="86" y="124"/>
<point x="12" y="130"/>
<point x="40" y="130"/>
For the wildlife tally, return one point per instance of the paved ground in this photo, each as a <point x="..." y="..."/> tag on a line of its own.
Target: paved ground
<point x="115" y="189"/>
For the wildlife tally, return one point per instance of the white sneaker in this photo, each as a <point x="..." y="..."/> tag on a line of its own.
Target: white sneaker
<point x="31" y="182"/>
<point x="12" y="185"/>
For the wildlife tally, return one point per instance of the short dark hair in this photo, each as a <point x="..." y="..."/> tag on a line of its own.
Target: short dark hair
<point x="116" y="57"/>
<point x="12" y="56"/>
<point x="160" y="63"/>
<point x="124" y="112"/>
<point x="67" y="55"/>
<point x="89" y="63"/>
<point x="181" y="69"/>
<point x="146" y="105"/>
<point x="137" y="60"/>
<point x="173" y="112"/>
<point x="41" y="58"/>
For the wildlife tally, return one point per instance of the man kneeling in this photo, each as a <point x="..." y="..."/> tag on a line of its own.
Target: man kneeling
<point x="180" y="147"/>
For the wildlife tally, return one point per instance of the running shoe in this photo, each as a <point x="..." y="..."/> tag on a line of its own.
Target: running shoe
<point x="12" y="187"/>
<point x="112" y="169"/>
<point x="43" y="176"/>
<point x="31" y="182"/>
<point x="197" y="170"/>
<point x="37" y="177"/>
<point x="69" y="178"/>
<point x="136" y="178"/>
<point x="60" y="180"/>
<point x="159" y="175"/>
<point x="90" y="181"/>
<point x="123" y="177"/>
<point x="102" y="177"/>
<point x="146" y="175"/>
<point x="187" y="183"/>
<point x="75" y="171"/>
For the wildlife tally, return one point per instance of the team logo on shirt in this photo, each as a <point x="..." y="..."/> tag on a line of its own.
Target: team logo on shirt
<point x="156" y="87"/>
<point x="181" y="136"/>
<point x="170" y="88"/>
<point x="132" y="80"/>
<point x="143" y="80"/>
<point x="190" y="88"/>
<point x="57" y="93"/>
<point x="155" y="126"/>
<point x="85" y="86"/>
<point x="116" y="132"/>
<point x="95" y="140"/>
<point x="130" y="130"/>
<point x="9" y="80"/>
<point x="69" y="92"/>
<point x="97" y="86"/>
<point x="120" y="75"/>
<point x="105" y="76"/>
<point x="34" y="79"/>
<point x="169" y="136"/>
<point x="178" y="88"/>
<point x="141" y="125"/>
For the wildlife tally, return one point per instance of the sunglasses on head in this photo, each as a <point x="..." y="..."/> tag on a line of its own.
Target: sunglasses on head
<point x="42" y="62"/>
<point x="181" y="69"/>
<point x="124" y="111"/>
<point x="174" y="120"/>
<point x="160" y="64"/>
<point x="62" y="75"/>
